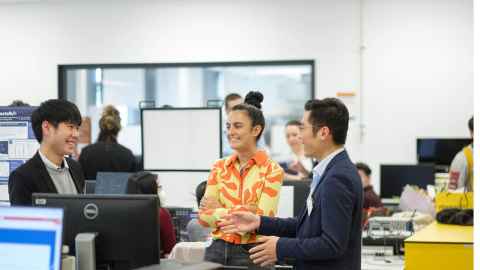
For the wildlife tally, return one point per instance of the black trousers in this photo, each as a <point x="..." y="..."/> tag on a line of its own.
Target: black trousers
<point x="231" y="255"/>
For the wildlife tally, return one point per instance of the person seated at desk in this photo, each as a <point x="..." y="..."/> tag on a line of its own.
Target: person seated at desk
<point x="146" y="183"/>
<point x="461" y="169"/>
<point x="370" y="198"/>
<point x="298" y="166"/>
<point x="107" y="155"/>
<point x="372" y="205"/>
<point x="18" y="103"/>
<point x="196" y="232"/>
<point x="55" y="125"/>
<point x="247" y="180"/>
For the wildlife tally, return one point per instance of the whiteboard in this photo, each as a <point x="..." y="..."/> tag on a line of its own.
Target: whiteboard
<point x="181" y="139"/>
<point x="180" y="187"/>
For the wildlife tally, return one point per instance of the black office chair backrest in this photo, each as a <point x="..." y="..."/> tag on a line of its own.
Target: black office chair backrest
<point x="89" y="186"/>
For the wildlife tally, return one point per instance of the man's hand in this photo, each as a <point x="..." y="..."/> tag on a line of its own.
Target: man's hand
<point x="265" y="253"/>
<point x="209" y="203"/>
<point x="239" y="222"/>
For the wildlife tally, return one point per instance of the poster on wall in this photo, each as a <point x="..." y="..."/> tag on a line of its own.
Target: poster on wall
<point x="17" y="141"/>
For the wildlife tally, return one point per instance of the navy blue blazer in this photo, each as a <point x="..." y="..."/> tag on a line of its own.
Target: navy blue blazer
<point x="330" y="237"/>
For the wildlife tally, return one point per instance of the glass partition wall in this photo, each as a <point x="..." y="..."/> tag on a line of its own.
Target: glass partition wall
<point x="286" y="86"/>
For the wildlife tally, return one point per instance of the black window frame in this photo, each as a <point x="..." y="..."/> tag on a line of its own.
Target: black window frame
<point x="63" y="68"/>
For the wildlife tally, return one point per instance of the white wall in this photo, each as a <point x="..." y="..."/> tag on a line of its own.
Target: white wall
<point x="417" y="64"/>
<point x="418" y="76"/>
<point x="40" y="36"/>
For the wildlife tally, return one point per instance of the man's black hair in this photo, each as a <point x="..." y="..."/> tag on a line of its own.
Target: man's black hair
<point x="364" y="167"/>
<point x="332" y="113"/>
<point x="55" y="111"/>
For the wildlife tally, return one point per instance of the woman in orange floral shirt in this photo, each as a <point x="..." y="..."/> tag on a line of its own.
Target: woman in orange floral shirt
<point x="246" y="180"/>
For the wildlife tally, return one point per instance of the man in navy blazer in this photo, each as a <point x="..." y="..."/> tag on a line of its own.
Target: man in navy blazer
<point x="327" y="234"/>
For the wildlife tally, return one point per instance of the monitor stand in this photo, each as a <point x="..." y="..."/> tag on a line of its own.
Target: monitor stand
<point x="85" y="251"/>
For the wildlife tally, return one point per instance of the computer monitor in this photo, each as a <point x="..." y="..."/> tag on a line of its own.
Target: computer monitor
<point x="30" y="238"/>
<point x="114" y="183"/>
<point x="439" y="151"/>
<point x="393" y="178"/>
<point x="127" y="226"/>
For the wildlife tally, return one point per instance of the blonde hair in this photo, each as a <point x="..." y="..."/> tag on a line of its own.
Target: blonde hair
<point x="110" y="124"/>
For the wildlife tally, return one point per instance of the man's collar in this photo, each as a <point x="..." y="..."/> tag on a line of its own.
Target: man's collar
<point x="260" y="157"/>
<point x="322" y="164"/>
<point x="52" y="165"/>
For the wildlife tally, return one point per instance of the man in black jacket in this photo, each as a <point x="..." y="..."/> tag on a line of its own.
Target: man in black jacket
<point x="55" y="125"/>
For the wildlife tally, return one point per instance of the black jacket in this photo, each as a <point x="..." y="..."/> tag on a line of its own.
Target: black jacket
<point x="330" y="237"/>
<point x="33" y="177"/>
<point x="106" y="157"/>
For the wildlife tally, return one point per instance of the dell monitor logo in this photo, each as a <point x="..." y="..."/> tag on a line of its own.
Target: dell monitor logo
<point x="90" y="211"/>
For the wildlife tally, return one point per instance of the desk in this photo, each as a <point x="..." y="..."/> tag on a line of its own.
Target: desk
<point x="166" y="264"/>
<point x="440" y="246"/>
<point x="388" y="262"/>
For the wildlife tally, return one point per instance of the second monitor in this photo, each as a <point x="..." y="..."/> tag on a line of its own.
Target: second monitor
<point x="114" y="183"/>
<point x="393" y="178"/>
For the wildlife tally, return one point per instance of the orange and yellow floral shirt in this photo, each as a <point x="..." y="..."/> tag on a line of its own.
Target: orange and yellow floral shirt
<point x="257" y="184"/>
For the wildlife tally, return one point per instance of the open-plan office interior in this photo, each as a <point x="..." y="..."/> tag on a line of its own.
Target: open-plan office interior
<point x="403" y="69"/>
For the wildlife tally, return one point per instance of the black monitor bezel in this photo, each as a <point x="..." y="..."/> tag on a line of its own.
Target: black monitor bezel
<point x="126" y="244"/>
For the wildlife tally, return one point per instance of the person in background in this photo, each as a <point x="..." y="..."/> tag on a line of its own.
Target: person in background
<point x="299" y="166"/>
<point x="461" y="169"/>
<point x="196" y="232"/>
<point x="146" y="183"/>
<point x="229" y="102"/>
<point x="55" y="125"/>
<point x="370" y="198"/>
<point x="18" y="103"/>
<point x="107" y="155"/>
<point x="247" y="180"/>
